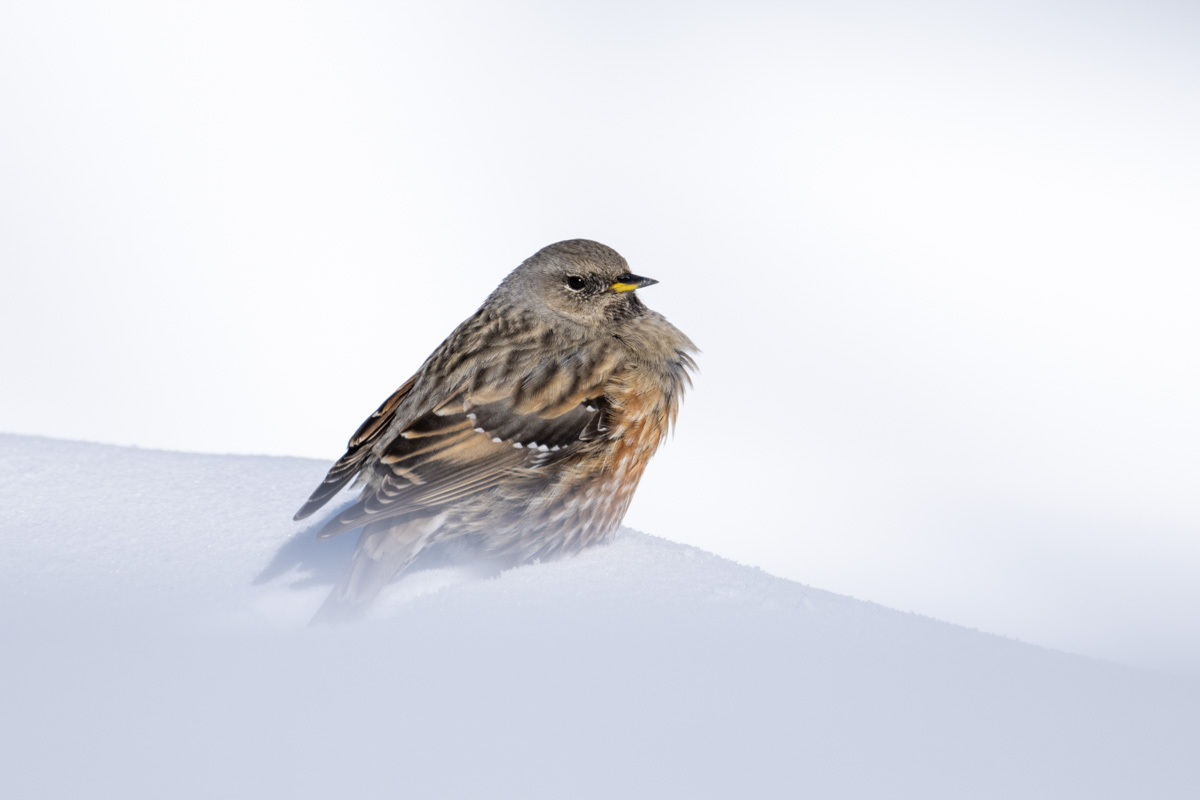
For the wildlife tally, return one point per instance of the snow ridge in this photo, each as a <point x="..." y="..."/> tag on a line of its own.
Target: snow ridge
<point x="154" y="606"/>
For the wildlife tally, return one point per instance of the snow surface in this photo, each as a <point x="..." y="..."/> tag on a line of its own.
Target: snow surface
<point x="153" y="608"/>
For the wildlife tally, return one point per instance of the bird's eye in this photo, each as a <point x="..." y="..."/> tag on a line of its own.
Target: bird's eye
<point x="575" y="282"/>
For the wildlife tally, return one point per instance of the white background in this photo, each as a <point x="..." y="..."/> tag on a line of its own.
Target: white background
<point x="941" y="260"/>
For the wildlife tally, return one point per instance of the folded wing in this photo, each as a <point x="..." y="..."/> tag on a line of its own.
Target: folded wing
<point x="462" y="448"/>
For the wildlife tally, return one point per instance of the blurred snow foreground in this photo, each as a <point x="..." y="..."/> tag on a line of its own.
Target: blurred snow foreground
<point x="153" y="608"/>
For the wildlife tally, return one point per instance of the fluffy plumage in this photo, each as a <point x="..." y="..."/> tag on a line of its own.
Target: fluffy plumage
<point x="525" y="433"/>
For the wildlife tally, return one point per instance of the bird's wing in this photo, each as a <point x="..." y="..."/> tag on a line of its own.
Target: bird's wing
<point x="357" y="451"/>
<point x="469" y="444"/>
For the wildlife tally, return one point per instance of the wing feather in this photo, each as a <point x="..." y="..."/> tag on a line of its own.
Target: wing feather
<point x="455" y="455"/>
<point x="357" y="450"/>
<point x="493" y="423"/>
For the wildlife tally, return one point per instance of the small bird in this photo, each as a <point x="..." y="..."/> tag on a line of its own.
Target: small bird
<point x="523" y="435"/>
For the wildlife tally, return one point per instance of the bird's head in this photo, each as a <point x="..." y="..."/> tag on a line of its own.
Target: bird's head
<point x="580" y="281"/>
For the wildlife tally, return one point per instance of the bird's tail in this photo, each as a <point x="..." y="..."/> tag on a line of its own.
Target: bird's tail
<point x="384" y="550"/>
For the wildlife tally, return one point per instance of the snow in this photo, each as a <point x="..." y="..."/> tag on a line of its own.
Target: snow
<point x="154" y="610"/>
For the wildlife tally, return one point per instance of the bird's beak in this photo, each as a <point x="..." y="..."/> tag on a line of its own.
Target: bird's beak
<point x="627" y="283"/>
